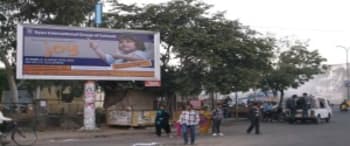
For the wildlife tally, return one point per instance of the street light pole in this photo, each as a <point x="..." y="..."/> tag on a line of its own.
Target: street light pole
<point x="347" y="72"/>
<point x="347" y="83"/>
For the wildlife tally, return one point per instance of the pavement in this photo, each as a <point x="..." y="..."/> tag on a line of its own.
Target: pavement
<point x="273" y="134"/>
<point x="104" y="132"/>
<point x="99" y="133"/>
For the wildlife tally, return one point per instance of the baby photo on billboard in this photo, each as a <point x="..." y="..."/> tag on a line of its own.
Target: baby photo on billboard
<point x="129" y="48"/>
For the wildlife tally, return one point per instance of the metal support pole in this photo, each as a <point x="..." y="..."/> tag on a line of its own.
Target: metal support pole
<point x="90" y="86"/>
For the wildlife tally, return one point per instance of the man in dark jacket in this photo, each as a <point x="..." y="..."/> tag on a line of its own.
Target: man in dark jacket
<point x="304" y="102"/>
<point x="162" y="121"/>
<point x="254" y="117"/>
<point x="291" y="105"/>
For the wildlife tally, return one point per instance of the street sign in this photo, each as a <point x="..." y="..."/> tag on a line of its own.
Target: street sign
<point x="152" y="83"/>
<point x="98" y="13"/>
<point x="196" y="104"/>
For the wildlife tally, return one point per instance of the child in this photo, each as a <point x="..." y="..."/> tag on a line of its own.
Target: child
<point x="130" y="49"/>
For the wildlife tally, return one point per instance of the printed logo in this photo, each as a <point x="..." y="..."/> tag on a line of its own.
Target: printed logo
<point x="29" y="31"/>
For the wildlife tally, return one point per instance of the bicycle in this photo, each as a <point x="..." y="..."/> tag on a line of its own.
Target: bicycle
<point x="21" y="136"/>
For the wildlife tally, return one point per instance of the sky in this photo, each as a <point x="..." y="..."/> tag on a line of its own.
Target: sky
<point x="326" y="23"/>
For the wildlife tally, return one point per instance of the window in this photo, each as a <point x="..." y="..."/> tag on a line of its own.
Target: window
<point x="322" y="104"/>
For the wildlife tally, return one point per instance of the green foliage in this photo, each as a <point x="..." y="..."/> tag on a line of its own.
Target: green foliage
<point x="76" y="87"/>
<point x="294" y="67"/>
<point x="58" y="12"/>
<point x="215" y="54"/>
<point x="3" y="83"/>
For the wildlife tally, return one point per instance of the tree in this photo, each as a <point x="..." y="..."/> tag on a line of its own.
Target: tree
<point x="3" y="84"/>
<point x="7" y="42"/>
<point x="213" y="53"/>
<point x="58" y="12"/>
<point x="294" y="67"/>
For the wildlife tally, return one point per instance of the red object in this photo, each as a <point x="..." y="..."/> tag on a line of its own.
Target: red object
<point x="178" y="129"/>
<point x="152" y="83"/>
<point x="197" y="104"/>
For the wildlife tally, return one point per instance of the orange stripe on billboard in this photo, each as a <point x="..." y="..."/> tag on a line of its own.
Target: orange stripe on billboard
<point x="143" y="63"/>
<point x="46" y="67"/>
<point x="153" y="83"/>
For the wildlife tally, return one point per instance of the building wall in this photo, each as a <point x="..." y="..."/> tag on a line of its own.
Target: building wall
<point x="137" y="100"/>
<point x="55" y="104"/>
<point x="329" y="85"/>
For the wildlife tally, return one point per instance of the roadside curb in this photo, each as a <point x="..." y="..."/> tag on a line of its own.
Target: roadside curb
<point x="63" y="135"/>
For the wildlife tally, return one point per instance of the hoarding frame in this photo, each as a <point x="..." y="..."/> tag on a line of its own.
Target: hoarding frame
<point x="20" y="50"/>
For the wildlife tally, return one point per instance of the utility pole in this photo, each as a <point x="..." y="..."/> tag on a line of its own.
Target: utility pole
<point x="347" y="82"/>
<point x="236" y="105"/>
<point x="90" y="86"/>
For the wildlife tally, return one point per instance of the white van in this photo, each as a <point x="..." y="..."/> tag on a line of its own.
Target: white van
<point x="319" y="110"/>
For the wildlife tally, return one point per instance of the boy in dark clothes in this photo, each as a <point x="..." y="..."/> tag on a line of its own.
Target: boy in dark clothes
<point x="162" y="121"/>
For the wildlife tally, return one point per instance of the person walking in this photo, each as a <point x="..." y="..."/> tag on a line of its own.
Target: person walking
<point x="189" y="119"/>
<point x="162" y="121"/>
<point x="267" y="111"/>
<point x="218" y="115"/>
<point x="254" y="117"/>
<point x="5" y="124"/>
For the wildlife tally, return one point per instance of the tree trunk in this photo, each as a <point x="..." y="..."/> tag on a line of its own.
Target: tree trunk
<point x="13" y="88"/>
<point x="171" y="104"/>
<point x="37" y="93"/>
<point x="11" y="80"/>
<point x="281" y="98"/>
<point x="212" y="100"/>
<point x="275" y="93"/>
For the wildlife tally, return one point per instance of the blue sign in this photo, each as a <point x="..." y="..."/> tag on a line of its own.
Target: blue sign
<point x="98" y="13"/>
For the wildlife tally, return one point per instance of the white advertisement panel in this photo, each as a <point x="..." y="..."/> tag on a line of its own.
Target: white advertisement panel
<point x="74" y="53"/>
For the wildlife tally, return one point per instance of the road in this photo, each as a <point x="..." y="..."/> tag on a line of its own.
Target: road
<point x="335" y="133"/>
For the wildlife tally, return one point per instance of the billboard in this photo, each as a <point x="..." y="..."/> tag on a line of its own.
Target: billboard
<point x="74" y="53"/>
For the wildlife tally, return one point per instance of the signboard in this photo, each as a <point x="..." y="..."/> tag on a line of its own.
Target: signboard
<point x="152" y="83"/>
<point x="115" y="117"/>
<point x="73" y="53"/>
<point x="98" y="13"/>
<point x="196" y="104"/>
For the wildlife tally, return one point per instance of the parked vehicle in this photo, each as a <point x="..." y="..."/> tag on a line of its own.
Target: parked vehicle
<point x="319" y="110"/>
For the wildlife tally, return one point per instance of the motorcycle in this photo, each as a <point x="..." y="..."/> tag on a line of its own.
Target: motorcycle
<point x="344" y="107"/>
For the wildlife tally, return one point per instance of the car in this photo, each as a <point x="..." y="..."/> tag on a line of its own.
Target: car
<point x="320" y="110"/>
